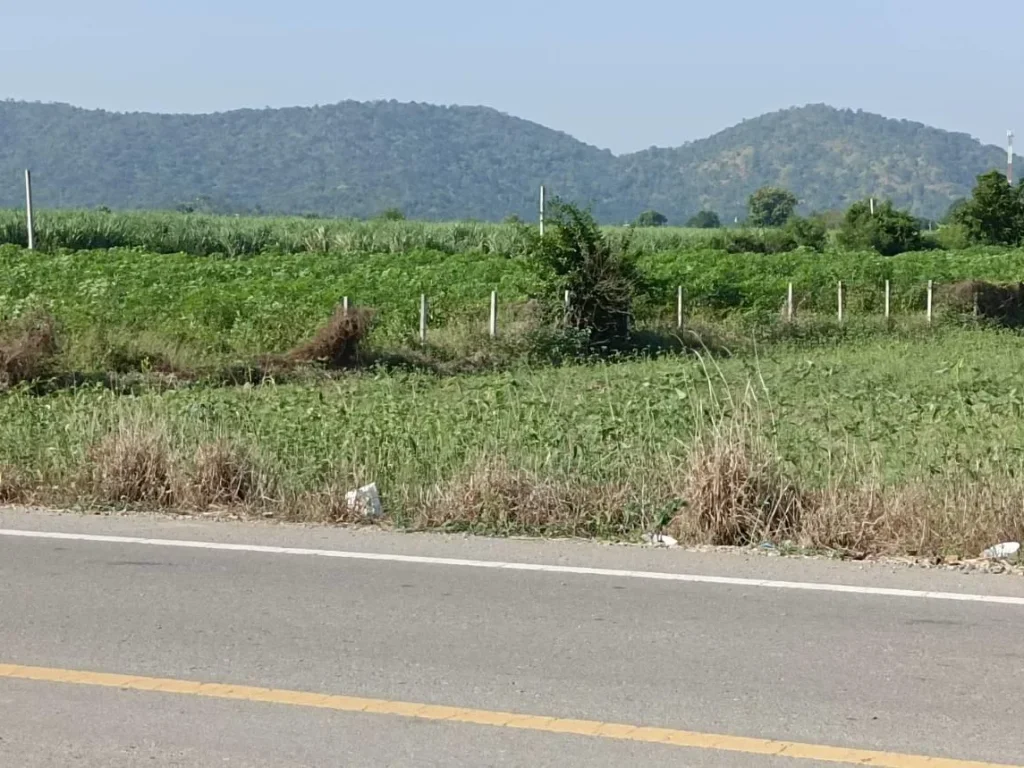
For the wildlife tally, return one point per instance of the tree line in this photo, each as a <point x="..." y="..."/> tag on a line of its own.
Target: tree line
<point x="992" y="215"/>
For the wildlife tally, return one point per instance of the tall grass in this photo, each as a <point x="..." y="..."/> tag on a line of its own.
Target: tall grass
<point x="203" y="234"/>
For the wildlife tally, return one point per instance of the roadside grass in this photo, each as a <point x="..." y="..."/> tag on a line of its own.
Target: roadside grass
<point x="908" y="443"/>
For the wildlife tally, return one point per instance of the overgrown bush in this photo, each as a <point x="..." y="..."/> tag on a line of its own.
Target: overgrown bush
<point x="601" y="278"/>
<point x="1000" y="303"/>
<point x="808" y="233"/>
<point x="888" y="230"/>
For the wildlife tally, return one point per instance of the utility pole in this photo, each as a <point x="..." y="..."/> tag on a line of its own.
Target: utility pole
<point x="542" y="210"/>
<point x="1009" y="156"/>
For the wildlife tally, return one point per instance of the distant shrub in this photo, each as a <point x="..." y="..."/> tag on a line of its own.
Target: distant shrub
<point x="651" y="219"/>
<point x="704" y="220"/>
<point x="391" y="214"/>
<point x="888" y="230"/>
<point x="1002" y="303"/>
<point x="808" y="233"/>
<point x="771" y="207"/>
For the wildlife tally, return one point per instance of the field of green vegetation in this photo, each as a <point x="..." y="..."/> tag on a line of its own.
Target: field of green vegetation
<point x="902" y="445"/>
<point x="862" y="438"/>
<point x="217" y="311"/>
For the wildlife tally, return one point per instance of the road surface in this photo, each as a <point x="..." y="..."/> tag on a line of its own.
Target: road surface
<point x="216" y="644"/>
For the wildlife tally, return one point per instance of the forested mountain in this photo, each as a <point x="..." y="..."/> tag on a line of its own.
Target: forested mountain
<point x="356" y="159"/>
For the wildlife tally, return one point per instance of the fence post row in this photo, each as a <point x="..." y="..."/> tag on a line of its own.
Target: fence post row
<point x="790" y="309"/>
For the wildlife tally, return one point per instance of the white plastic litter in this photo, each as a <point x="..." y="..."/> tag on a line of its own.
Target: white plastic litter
<point x="659" y="540"/>
<point x="365" y="500"/>
<point x="1002" y="551"/>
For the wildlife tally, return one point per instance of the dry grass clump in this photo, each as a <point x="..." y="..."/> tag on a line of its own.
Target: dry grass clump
<point x="336" y="344"/>
<point x="14" y="486"/>
<point x="496" y="498"/>
<point x="736" y="491"/>
<point x="221" y="474"/>
<point x="1001" y="303"/>
<point x="27" y="348"/>
<point x="131" y="465"/>
<point x="952" y="516"/>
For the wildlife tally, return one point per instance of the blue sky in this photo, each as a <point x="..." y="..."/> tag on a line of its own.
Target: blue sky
<point x="619" y="75"/>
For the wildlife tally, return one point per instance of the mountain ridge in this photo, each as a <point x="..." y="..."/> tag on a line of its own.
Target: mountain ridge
<point x="358" y="158"/>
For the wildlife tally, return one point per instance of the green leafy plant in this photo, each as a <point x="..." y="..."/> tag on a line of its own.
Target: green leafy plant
<point x="601" y="278"/>
<point x="886" y="230"/>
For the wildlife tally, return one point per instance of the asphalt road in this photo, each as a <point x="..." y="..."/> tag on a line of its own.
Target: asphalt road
<point x="907" y="676"/>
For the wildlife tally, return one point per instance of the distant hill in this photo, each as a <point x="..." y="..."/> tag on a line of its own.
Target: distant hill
<point x="357" y="159"/>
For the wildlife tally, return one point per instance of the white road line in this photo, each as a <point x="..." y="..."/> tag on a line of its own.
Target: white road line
<point x="502" y="566"/>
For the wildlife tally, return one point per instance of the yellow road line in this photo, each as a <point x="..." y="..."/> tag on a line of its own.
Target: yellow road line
<point x="592" y="728"/>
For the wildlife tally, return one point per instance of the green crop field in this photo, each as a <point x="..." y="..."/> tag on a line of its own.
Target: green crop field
<point x="870" y="437"/>
<point x="230" y="309"/>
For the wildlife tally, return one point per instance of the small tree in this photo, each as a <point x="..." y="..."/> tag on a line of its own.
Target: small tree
<point x="651" y="219"/>
<point x="704" y="220"/>
<point x="391" y="214"/>
<point x="994" y="214"/>
<point x="808" y="233"/>
<point x="888" y="231"/>
<point x="771" y="207"/>
<point x="601" y="278"/>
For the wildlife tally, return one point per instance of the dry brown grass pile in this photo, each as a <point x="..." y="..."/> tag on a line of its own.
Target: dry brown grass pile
<point x="27" y="348"/>
<point x="337" y="343"/>
<point x="952" y="516"/>
<point x="1001" y="303"/>
<point x="131" y="465"/>
<point x="736" y="491"/>
<point x="14" y="486"/>
<point x="494" y="497"/>
<point x="221" y="474"/>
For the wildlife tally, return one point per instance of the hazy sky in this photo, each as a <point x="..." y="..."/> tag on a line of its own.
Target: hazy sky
<point x="620" y="75"/>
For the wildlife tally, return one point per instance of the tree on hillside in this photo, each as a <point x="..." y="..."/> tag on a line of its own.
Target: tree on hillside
<point x="888" y="230"/>
<point x="704" y="220"/>
<point x="994" y="214"/>
<point x="651" y="219"/>
<point x="771" y="207"/>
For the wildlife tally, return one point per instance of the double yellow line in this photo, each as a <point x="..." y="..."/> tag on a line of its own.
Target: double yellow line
<point x="591" y="728"/>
